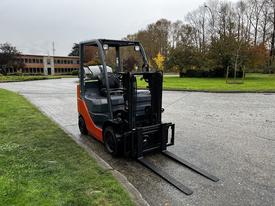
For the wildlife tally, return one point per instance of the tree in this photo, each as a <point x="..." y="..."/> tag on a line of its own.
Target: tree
<point x="9" y="58"/>
<point x="272" y="44"/>
<point x="155" y="38"/>
<point x="258" y="57"/>
<point x="159" y="60"/>
<point x="175" y="33"/>
<point x="129" y="63"/>
<point x="182" y="58"/>
<point x="75" y="50"/>
<point x="228" y="52"/>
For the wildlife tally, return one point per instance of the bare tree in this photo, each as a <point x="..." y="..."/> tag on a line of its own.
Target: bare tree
<point x="273" y="29"/>
<point x="175" y="33"/>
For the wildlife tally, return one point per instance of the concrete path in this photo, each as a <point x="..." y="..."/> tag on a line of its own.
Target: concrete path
<point x="230" y="135"/>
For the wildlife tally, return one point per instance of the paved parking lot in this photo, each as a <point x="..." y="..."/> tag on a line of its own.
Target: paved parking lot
<point x="230" y="135"/>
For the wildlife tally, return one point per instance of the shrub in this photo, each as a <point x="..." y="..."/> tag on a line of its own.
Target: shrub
<point x="213" y="73"/>
<point x="75" y="72"/>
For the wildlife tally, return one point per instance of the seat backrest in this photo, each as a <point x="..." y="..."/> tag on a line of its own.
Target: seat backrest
<point x="113" y="81"/>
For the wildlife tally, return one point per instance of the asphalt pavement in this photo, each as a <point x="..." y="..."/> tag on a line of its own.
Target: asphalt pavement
<point x="232" y="136"/>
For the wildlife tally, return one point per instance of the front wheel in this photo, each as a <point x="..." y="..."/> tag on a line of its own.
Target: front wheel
<point x="82" y="125"/>
<point x="110" y="141"/>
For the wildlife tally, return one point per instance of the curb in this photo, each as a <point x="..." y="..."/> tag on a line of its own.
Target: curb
<point x="134" y="194"/>
<point x="222" y="92"/>
<point x="15" y="81"/>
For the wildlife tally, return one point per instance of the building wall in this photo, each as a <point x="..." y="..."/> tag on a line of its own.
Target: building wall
<point x="47" y="65"/>
<point x="65" y="65"/>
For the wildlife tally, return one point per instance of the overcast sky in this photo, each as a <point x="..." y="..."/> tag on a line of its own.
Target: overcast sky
<point x="32" y="25"/>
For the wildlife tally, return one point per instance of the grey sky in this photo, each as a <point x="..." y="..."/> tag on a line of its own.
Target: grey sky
<point x="31" y="25"/>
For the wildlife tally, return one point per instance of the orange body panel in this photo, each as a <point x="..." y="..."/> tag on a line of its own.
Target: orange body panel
<point x="84" y="112"/>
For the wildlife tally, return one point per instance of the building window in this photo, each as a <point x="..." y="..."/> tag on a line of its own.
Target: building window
<point x="48" y="61"/>
<point x="41" y="61"/>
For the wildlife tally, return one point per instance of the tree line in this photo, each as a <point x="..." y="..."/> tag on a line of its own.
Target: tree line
<point x="9" y="58"/>
<point x="216" y="36"/>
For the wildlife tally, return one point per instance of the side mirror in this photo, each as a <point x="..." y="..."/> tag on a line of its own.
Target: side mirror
<point x="136" y="48"/>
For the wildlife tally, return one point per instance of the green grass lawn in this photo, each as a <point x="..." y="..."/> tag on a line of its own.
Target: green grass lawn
<point x="252" y="83"/>
<point x="41" y="165"/>
<point x="14" y="78"/>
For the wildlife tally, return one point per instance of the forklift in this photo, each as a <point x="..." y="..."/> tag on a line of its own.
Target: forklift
<point x="112" y="108"/>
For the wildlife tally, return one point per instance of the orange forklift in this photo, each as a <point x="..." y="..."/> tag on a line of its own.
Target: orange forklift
<point x="112" y="108"/>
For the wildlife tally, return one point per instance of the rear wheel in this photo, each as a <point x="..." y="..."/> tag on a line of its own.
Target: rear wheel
<point x="82" y="125"/>
<point x="110" y="141"/>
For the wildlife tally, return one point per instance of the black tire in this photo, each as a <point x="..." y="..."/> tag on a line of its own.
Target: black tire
<point x="82" y="125"/>
<point x="110" y="141"/>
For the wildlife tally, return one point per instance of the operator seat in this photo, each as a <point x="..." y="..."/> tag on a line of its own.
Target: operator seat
<point x="114" y="84"/>
<point x="96" y="93"/>
<point x="96" y="73"/>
